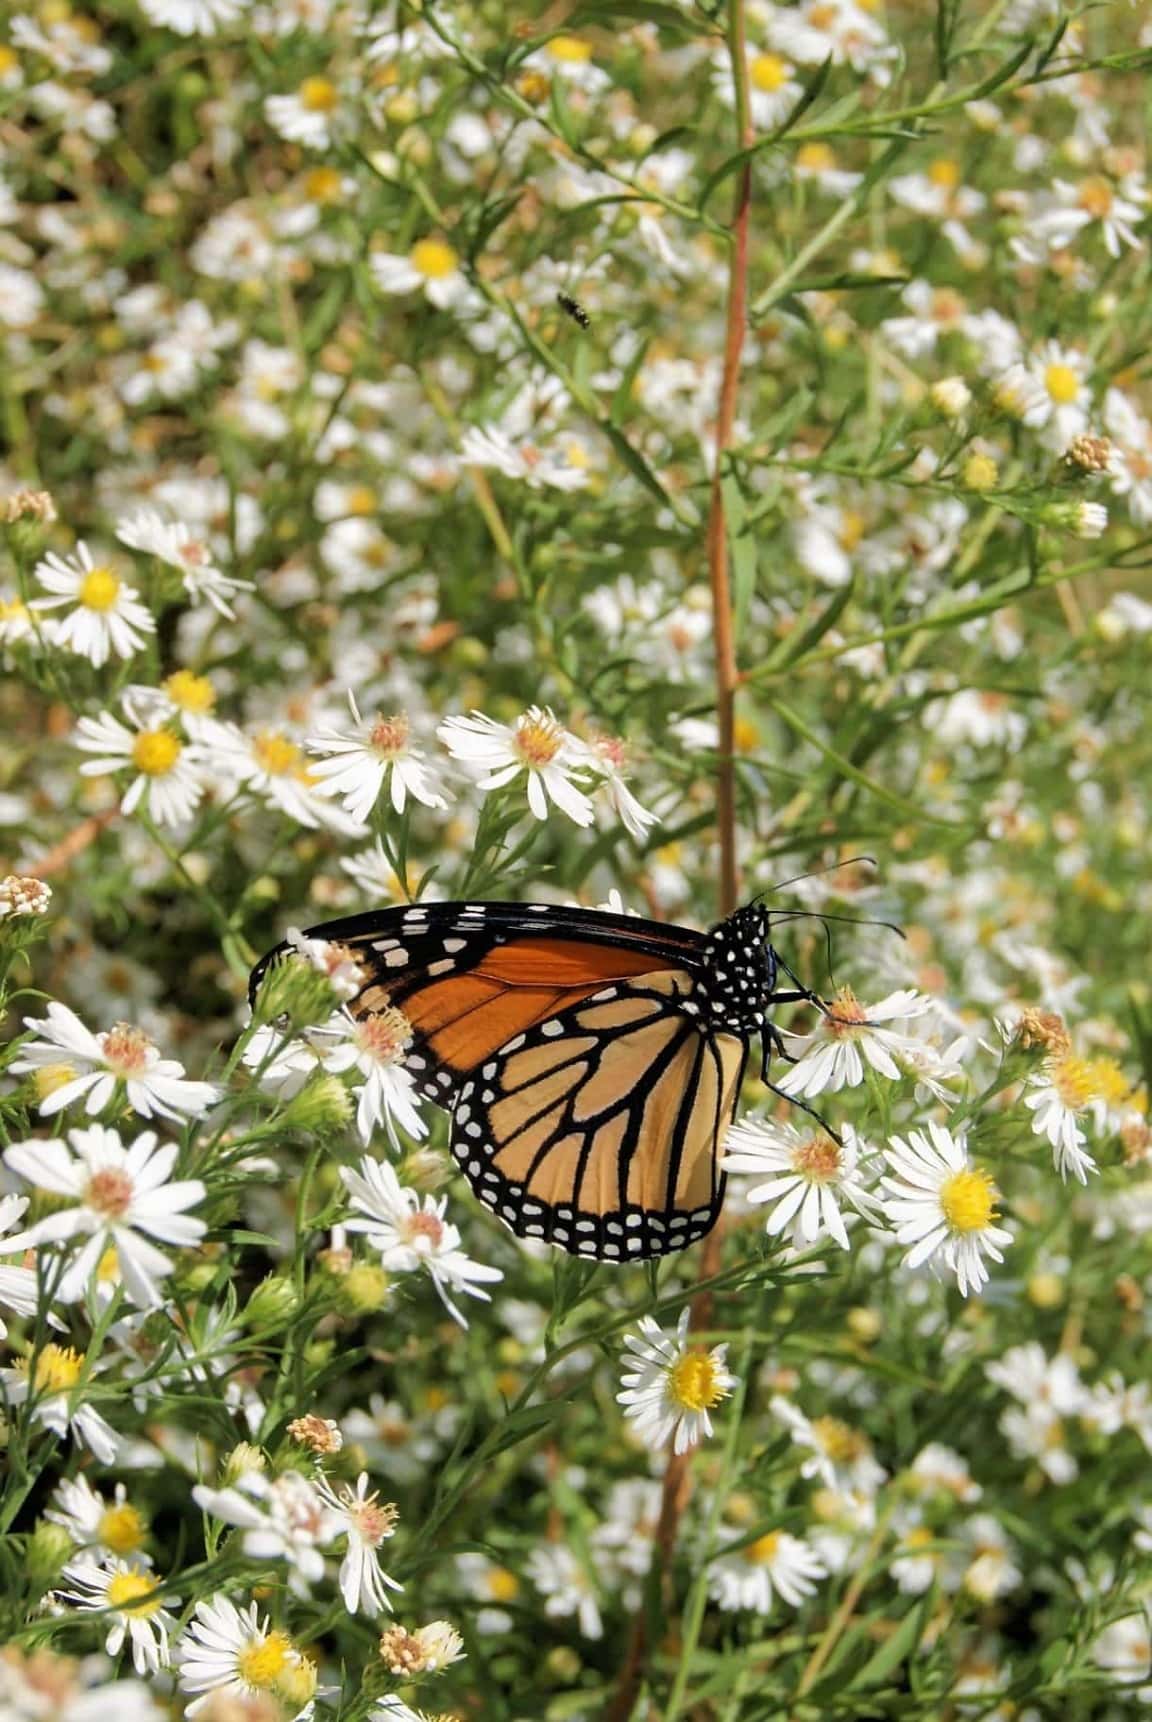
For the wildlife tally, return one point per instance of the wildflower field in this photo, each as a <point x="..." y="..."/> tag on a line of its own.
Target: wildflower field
<point x="557" y="475"/>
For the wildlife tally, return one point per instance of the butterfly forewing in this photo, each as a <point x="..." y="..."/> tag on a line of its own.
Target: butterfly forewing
<point x="598" y="1128"/>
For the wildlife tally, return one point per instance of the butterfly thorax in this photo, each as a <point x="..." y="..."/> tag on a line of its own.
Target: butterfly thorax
<point x="738" y="974"/>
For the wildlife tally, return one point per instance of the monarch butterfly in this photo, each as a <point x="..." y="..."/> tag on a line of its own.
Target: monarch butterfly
<point x="590" y="1061"/>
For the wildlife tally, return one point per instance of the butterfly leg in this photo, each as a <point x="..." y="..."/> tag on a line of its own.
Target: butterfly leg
<point x="804" y="1107"/>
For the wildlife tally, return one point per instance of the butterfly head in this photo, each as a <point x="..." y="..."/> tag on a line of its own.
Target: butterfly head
<point x="740" y="969"/>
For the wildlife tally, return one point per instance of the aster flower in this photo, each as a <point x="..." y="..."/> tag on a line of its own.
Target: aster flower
<point x="121" y="1197"/>
<point x="95" y="1065"/>
<point x="412" y="1233"/>
<point x="808" y="1176"/>
<point x="181" y="547"/>
<point x="19" y="1290"/>
<point x="753" y="1575"/>
<point x="234" y="1653"/>
<point x="50" y="1380"/>
<point x="566" y="1587"/>
<point x="609" y="755"/>
<point x="940" y="1204"/>
<point x="1062" y="1092"/>
<point x="537" y="746"/>
<point x="431" y="267"/>
<point x="364" y="1584"/>
<point x="376" y="1046"/>
<point x="168" y="782"/>
<point x="356" y="764"/>
<point x="106" y="619"/>
<point x="308" y="115"/>
<point x="272" y="765"/>
<point x="851" y="1037"/>
<point x="670" y="1386"/>
<point x="130" y="1602"/>
<point x="285" y="1519"/>
<point x="108" y="1531"/>
<point x="838" y="1454"/>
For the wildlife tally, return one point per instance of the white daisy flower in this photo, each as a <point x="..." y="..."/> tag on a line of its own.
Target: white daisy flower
<point x="670" y="1386"/>
<point x="364" y="1584"/>
<point x="355" y="765"/>
<point x="609" y="755"/>
<point x="851" y="1037"/>
<point x="940" y="1470"/>
<point x="286" y="1519"/>
<point x="270" y="764"/>
<point x="50" y="1379"/>
<point x="107" y="618"/>
<point x="411" y="1233"/>
<point x="537" y="745"/>
<point x="376" y="1045"/>
<point x="119" y="1194"/>
<point x="566" y="1587"/>
<point x="838" y="1454"/>
<point x="432" y="266"/>
<point x="82" y="1063"/>
<point x="1049" y="1383"/>
<point x="19" y="1290"/>
<point x="1061" y="213"/>
<point x="1125" y="1649"/>
<point x="773" y="87"/>
<point x="940" y="1204"/>
<point x="178" y="545"/>
<point x="985" y="1565"/>
<point x="554" y="464"/>
<point x="109" y="1532"/>
<point x="168" y="780"/>
<point x="193" y="17"/>
<point x="1062" y="373"/>
<point x="753" y="1575"/>
<point x="130" y="1602"/>
<point x="233" y="1653"/>
<point x="1065" y="1090"/>
<point x="338" y="963"/>
<point x="808" y="1176"/>
<point x="309" y="115"/>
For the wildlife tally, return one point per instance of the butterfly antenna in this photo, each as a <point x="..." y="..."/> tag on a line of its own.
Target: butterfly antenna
<point x="814" y="873"/>
<point x="849" y="920"/>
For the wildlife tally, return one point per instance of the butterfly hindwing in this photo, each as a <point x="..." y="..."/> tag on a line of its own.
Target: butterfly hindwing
<point x="598" y="1128"/>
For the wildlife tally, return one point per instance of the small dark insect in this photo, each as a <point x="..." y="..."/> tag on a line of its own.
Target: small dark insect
<point x="573" y="308"/>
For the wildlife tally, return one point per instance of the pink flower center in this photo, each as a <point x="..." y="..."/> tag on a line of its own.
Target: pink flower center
<point x="389" y="735"/>
<point x="817" y="1159"/>
<point x="385" y="1035"/>
<point x="127" y="1050"/>
<point x="373" y="1522"/>
<point x="109" y="1192"/>
<point x="425" y="1225"/>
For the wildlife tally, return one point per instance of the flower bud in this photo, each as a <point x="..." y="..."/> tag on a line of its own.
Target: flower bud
<point x="293" y="994"/>
<point x="364" y="1289"/>
<point x="951" y="397"/>
<point x="981" y="472"/>
<point x="45" y="1552"/>
<point x="273" y="1303"/>
<point x="242" y="1461"/>
<point x="323" y="1106"/>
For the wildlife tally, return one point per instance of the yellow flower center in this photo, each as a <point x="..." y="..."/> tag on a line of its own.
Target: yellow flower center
<point x="133" y="1593"/>
<point x="108" y="1267"/>
<point x="816" y="157"/>
<point x="839" y="1440"/>
<point x="980" y="470"/>
<point x="8" y="60"/>
<point x="278" y="756"/>
<point x="694" y="1382"/>
<point x="56" y="1370"/>
<point x="424" y="1225"/>
<point x="817" y="1159"/>
<point x="297" y="1684"/>
<point x="390" y="735"/>
<point x="1079" y="1080"/>
<point x="570" y="49"/>
<point x="919" y="1537"/>
<point x="538" y="740"/>
<point x="945" y="173"/>
<point x="769" y="72"/>
<point x="126" y="1049"/>
<point x="361" y="499"/>
<point x="192" y="693"/>
<point x="121" y="1529"/>
<point x="109" y="1192"/>
<point x="13" y="610"/>
<point x="323" y="185"/>
<point x="763" y="1550"/>
<point x="318" y="95"/>
<point x="503" y="1586"/>
<point x="263" y="1662"/>
<point x="99" y="589"/>
<point x="434" y="259"/>
<point x="1096" y="196"/>
<point x="968" y="1201"/>
<point x="1062" y="383"/>
<point x="155" y="751"/>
